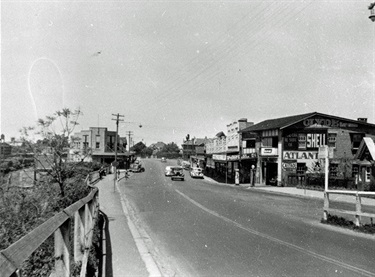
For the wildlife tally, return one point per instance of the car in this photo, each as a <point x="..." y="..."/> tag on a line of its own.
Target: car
<point x="185" y="165"/>
<point x="168" y="171"/>
<point x="163" y="160"/>
<point x="177" y="173"/>
<point x="136" y="167"/>
<point x="196" y="172"/>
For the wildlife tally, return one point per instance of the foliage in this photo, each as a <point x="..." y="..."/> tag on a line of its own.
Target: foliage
<point x="342" y="222"/>
<point x="15" y="163"/>
<point x="22" y="210"/>
<point x="147" y="152"/>
<point x="170" y="151"/>
<point x="138" y="148"/>
<point x="371" y="185"/>
<point x="51" y="151"/>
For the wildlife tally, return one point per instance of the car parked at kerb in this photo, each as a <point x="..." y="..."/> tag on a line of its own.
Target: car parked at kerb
<point x="196" y="172"/>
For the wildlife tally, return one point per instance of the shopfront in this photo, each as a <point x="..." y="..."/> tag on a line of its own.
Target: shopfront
<point x="220" y="161"/>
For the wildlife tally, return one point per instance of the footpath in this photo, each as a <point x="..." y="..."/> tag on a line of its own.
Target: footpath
<point x="122" y="255"/>
<point x="126" y="256"/>
<point x="299" y="192"/>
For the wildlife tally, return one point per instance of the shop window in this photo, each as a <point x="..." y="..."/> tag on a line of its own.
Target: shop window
<point x="301" y="168"/>
<point x="302" y="141"/>
<point x="355" y="170"/>
<point x="332" y="140"/>
<point x="333" y="169"/>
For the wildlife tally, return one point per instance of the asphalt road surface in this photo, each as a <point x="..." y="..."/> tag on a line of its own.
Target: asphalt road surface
<point x="200" y="228"/>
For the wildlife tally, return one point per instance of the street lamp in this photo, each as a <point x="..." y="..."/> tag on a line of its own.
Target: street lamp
<point x="372" y="12"/>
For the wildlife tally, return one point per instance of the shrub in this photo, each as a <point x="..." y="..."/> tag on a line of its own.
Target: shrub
<point x="342" y="222"/>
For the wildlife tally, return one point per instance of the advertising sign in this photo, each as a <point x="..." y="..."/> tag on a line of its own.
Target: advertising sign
<point x="290" y="166"/>
<point x="300" y="155"/>
<point x="268" y="151"/>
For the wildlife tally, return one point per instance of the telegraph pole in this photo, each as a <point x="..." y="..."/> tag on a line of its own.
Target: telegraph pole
<point x="129" y="133"/>
<point x="116" y="163"/>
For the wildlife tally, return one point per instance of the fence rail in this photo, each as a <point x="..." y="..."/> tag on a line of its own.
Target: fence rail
<point x="358" y="205"/>
<point x="84" y="212"/>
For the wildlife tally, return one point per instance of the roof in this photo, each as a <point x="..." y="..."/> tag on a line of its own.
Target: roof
<point x="277" y="123"/>
<point x="368" y="143"/>
<point x="283" y="122"/>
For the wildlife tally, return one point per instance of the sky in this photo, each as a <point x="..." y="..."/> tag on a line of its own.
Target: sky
<point x="184" y="67"/>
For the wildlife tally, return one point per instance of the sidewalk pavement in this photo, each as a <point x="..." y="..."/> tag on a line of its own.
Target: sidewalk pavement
<point x="122" y="257"/>
<point x="302" y="192"/>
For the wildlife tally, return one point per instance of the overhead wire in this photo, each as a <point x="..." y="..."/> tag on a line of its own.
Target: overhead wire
<point x="236" y="45"/>
<point x="198" y="57"/>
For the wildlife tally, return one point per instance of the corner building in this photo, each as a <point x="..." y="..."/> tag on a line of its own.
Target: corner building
<point x="288" y="147"/>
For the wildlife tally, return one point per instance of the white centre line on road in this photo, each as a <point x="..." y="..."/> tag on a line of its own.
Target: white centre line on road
<point x="287" y="244"/>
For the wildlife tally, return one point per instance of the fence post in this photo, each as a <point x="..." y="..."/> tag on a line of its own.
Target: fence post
<point x="88" y="220"/>
<point x="79" y="234"/>
<point x="358" y="210"/>
<point x="326" y="206"/>
<point x="62" y="250"/>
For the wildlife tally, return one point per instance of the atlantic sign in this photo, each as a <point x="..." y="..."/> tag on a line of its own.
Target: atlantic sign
<point x="300" y="155"/>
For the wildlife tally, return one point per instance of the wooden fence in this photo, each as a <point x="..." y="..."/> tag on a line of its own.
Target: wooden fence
<point x="84" y="212"/>
<point x="358" y="204"/>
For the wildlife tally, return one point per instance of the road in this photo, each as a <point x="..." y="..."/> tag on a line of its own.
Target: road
<point x="200" y="228"/>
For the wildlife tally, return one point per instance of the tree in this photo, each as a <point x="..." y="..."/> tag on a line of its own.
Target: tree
<point x="51" y="151"/>
<point x="147" y="152"/>
<point x="138" y="148"/>
<point x="170" y="151"/>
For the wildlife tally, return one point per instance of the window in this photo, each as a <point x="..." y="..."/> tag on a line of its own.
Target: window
<point x="270" y="142"/>
<point x="302" y="141"/>
<point x="97" y="145"/>
<point x="250" y="143"/>
<point x="355" y="170"/>
<point x="333" y="168"/>
<point x="356" y="140"/>
<point x="332" y="140"/>
<point x="267" y="142"/>
<point x="368" y="174"/>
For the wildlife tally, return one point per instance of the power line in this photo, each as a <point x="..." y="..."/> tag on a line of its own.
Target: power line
<point x="253" y="44"/>
<point x="230" y="49"/>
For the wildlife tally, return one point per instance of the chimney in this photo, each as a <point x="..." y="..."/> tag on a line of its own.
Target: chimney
<point x="362" y="119"/>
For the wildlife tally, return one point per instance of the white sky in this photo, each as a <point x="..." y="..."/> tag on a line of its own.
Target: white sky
<point x="184" y="67"/>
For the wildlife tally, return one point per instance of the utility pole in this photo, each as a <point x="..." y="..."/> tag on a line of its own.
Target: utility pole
<point x="129" y="133"/>
<point x="116" y="163"/>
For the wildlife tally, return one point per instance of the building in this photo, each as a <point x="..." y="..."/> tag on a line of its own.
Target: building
<point x="287" y="148"/>
<point x="98" y="144"/>
<point x="224" y="152"/>
<point x="5" y="149"/>
<point x="193" y="150"/>
<point x="364" y="160"/>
